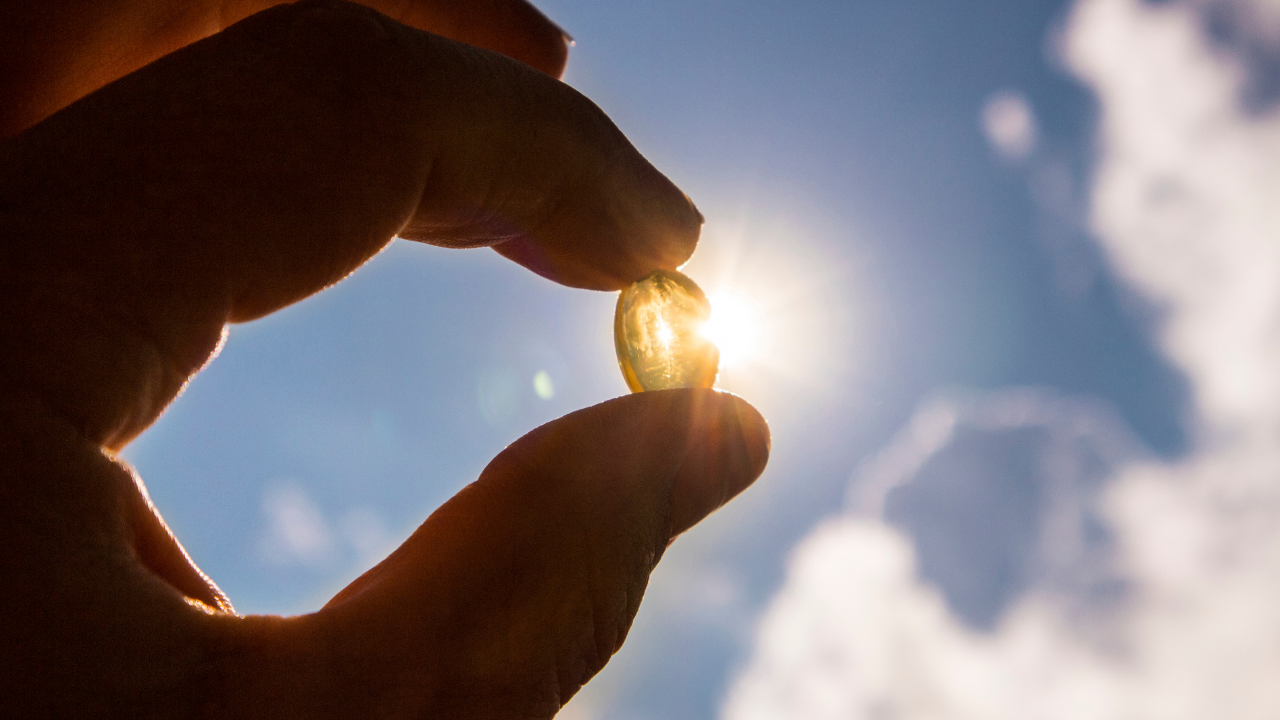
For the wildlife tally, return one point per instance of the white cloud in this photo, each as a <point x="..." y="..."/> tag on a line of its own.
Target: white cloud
<point x="296" y="529"/>
<point x="1187" y="200"/>
<point x="578" y="708"/>
<point x="854" y="634"/>
<point x="1000" y="492"/>
<point x="1186" y="205"/>
<point x="860" y="631"/>
<point x="1257" y="20"/>
<point x="1010" y="125"/>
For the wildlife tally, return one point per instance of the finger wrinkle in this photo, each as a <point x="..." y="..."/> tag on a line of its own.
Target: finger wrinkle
<point x="156" y="547"/>
<point x="604" y="624"/>
<point x="136" y="407"/>
<point x="534" y="256"/>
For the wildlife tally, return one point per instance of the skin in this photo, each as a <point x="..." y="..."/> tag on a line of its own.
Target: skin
<point x="172" y="167"/>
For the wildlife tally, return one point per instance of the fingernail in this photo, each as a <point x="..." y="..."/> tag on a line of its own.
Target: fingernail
<point x="727" y="451"/>
<point x="701" y="219"/>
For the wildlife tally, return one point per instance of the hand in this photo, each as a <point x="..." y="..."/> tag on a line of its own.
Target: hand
<point x="247" y="171"/>
<point x="55" y="52"/>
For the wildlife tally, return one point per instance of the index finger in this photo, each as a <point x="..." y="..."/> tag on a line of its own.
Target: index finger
<point x="55" y="52"/>
<point x="252" y="169"/>
<point x="514" y="28"/>
<point x="511" y="27"/>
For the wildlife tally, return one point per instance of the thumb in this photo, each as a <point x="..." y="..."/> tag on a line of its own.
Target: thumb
<point x="519" y="589"/>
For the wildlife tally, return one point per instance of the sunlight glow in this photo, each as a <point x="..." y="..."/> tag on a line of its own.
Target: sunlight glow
<point x="665" y="335"/>
<point x="788" y="313"/>
<point x="734" y="327"/>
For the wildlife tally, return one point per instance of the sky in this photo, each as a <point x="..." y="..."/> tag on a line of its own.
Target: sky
<point x="1015" y="269"/>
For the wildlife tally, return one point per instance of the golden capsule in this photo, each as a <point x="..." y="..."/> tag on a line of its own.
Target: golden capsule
<point x="657" y="331"/>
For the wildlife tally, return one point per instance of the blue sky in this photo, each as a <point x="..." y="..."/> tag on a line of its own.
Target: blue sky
<point x="839" y="153"/>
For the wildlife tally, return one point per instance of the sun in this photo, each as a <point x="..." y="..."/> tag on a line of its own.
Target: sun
<point x="734" y="327"/>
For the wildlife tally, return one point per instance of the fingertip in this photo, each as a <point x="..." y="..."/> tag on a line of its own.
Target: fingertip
<point x="543" y="44"/>
<point x="748" y="442"/>
<point x="728" y="450"/>
<point x="677" y="241"/>
<point x="609" y="232"/>
<point x="514" y="28"/>
<point x="558" y="59"/>
<point x="702" y="220"/>
<point x="674" y="227"/>
<point x="549" y="53"/>
<point x="757" y="438"/>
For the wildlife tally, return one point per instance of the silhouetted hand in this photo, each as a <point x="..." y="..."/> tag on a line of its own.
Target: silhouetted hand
<point x="230" y="178"/>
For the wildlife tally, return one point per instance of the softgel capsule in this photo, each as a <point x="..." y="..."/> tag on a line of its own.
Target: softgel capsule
<point x="657" y="331"/>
